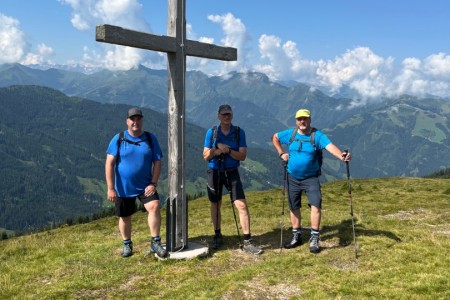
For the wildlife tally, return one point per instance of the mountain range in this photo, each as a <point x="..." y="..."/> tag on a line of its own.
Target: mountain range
<point x="406" y="136"/>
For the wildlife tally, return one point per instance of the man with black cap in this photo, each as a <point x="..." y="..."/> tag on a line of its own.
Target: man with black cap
<point x="224" y="148"/>
<point x="304" y="158"/>
<point x="132" y="169"/>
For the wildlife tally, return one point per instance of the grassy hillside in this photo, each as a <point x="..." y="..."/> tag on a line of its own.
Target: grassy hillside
<point x="402" y="228"/>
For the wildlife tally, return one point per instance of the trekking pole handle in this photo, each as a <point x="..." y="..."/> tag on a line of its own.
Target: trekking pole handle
<point x="344" y="154"/>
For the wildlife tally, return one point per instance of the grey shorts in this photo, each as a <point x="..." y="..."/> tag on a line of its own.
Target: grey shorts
<point x="127" y="206"/>
<point x="228" y="178"/>
<point x="311" y="186"/>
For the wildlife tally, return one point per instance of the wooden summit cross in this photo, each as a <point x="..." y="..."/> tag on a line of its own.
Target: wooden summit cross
<point x="177" y="48"/>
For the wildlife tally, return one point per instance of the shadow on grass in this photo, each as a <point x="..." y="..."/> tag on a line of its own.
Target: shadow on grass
<point x="271" y="240"/>
<point x="344" y="232"/>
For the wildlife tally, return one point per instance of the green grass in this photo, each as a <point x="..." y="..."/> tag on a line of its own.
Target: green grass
<point x="426" y="127"/>
<point x="403" y="236"/>
<point x="254" y="166"/>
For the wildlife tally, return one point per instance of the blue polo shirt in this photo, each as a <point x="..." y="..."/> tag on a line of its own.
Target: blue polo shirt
<point x="134" y="165"/>
<point x="231" y="140"/>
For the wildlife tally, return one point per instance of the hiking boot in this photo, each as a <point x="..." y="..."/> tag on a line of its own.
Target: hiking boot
<point x="250" y="248"/>
<point x="156" y="247"/>
<point x="217" y="241"/>
<point x="296" y="240"/>
<point x="127" y="250"/>
<point x="314" y="243"/>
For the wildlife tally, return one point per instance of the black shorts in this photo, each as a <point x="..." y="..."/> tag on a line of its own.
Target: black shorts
<point x="228" y="178"/>
<point x="311" y="186"/>
<point x="127" y="206"/>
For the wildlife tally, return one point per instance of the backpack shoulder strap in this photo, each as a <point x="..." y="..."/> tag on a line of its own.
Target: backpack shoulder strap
<point x="313" y="138"/>
<point x="119" y="142"/>
<point x="319" y="154"/>
<point x="122" y="138"/>
<point x="214" y="136"/>
<point x="294" y="133"/>
<point x="149" y="140"/>
<point x="237" y="134"/>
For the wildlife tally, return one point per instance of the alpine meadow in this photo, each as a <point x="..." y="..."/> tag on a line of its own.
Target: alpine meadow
<point x="60" y="239"/>
<point x="402" y="231"/>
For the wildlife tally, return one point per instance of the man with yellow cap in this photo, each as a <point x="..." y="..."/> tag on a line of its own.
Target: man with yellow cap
<point x="303" y="159"/>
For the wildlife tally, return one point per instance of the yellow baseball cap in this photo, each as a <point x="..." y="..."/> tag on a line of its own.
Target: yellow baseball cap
<point x="303" y="113"/>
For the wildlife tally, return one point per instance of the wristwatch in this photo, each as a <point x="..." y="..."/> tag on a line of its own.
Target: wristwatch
<point x="154" y="184"/>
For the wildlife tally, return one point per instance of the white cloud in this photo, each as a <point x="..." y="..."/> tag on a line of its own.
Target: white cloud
<point x="13" y="44"/>
<point x="284" y="60"/>
<point x="359" y="68"/>
<point x="129" y="14"/>
<point x="235" y="36"/>
<point x="44" y="52"/>
<point x="88" y="13"/>
<point x="14" y="47"/>
<point x="122" y="58"/>
<point x="367" y="73"/>
<point x="438" y="66"/>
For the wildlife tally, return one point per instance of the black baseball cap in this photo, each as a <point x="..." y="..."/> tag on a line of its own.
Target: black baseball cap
<point x="134" y="112"/>
<point x="225" y="109"/>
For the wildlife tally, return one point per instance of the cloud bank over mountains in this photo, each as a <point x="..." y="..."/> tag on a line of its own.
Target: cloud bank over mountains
<point x="359" y="68"/>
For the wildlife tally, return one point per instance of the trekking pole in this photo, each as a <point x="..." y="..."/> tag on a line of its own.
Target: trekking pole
<point x="349" y="188"/>
<point x="232" y="206"/>
<point x="217" y="192"/>
<point x="283" y="192"/>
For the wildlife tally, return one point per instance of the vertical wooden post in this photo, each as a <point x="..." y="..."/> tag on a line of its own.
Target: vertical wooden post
<point x="177" y="233"/>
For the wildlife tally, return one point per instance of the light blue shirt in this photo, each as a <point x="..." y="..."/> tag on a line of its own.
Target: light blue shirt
<point x="303" y="162"/>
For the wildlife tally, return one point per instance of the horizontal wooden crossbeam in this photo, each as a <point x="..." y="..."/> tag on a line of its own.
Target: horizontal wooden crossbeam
<point x="126" y="37"/>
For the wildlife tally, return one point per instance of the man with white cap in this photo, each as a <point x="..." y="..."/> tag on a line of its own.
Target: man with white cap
<point x="304" y="158"/>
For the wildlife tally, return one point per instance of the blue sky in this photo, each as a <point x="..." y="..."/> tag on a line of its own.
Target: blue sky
<point x="382" y="47"/>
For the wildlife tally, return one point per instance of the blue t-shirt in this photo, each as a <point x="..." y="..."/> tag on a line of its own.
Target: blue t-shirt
<point x="231" y="140"/>
<point x="134" y="165"/>
<point x="302" y="156"/>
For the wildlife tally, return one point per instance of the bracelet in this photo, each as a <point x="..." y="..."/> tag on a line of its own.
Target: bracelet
<point x="282" y="154"/>
<point x="154" y="184"/>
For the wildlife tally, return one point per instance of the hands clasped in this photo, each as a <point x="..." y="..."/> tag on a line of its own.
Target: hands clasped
<point x="224" y="148"/>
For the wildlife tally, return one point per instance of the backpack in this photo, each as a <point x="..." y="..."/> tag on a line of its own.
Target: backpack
<point x="237" y="136"/>
<point x="319" y="154"/>
<point x="123" y="139"/>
